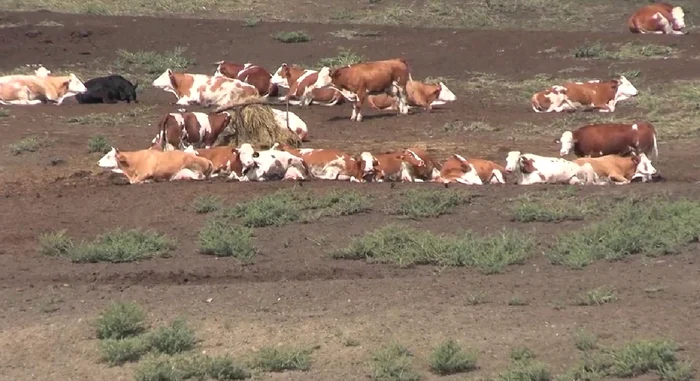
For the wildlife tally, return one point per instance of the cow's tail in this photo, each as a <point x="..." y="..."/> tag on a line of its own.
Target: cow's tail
<point x="535" y="104"/>
<point x="632" y="25"/>
<point x="163" y="140"/>
<point x="656" y="148"/>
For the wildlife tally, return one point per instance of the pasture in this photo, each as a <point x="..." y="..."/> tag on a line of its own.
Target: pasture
<point x="335" y="280"/>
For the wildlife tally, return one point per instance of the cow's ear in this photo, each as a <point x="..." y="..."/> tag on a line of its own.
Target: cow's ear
<point x="116" y="150"/>
<point x="375" y="163"/>
<point x="635" y="160"/>
<point x="557" y="141"/>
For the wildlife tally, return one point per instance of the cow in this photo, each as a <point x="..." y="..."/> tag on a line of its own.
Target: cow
<point x="602" y="139"/>
<point x="658" y="18"/>
<point x="471" y="171"/>
<point x="39" y="88"/>
<point x="387" y="166"/>
<point x="296" y="124"/>
<point x="255" y="75"/>
<point x="324" y="164"/>
<point x="420" y="165"/>
<point x="224" y="159"/>
<point x="420" y="94"/>
<point x="267" y="165"/>
<point x="301" y="90"/>
<point x="204" y="90"/>
<point x="148" y="165"/>
<point x="532" y="169"/>
<point x="176" y="130"/>
<point x="110" y="89"/>
<point x="619" y="169"/>
<point x="594" y="94"/>
<point x="356" y="81"/>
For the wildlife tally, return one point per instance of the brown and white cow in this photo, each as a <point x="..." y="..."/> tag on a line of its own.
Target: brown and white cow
<point x="146" y="165"/>
<point x="204" y="90"/>
<point x="459" y="169"/>
<point x="255" y="75"/>
<point x="619" y="169"/>
<point x="325" y="164"/>
<point x="380" y="168"/>
<point x="602" y="139"/>
<point x="356" y="81"/>
<point x="301" y="90"/>
<point x="535" y="169"/>
<point x="420" y="165"/>
<point x="420" y="94"/>
<point x="658" y="18"/>
<point x="594" y="94"/>
<point x="179" y="129"/>
<point x="224" y="159"/>
<point x="39" y="88"/>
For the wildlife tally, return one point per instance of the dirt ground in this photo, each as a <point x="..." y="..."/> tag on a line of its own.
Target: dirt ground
<point x="294" y="293"/>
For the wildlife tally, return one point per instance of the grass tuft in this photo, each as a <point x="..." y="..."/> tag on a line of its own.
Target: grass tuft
<point x="99" y="144"/>
<point x="393" y="362"/>
<point x="197" y="367"/>
<point x="292" y="37"/>
<point x="597" y="296"/>
<point x="30" y="144"/>
<point x="207" y="204"/>
<point x="626" y="51"/>
<point x="345" y="57"/>
<point x="526" y="371"/>
<point x="521" y="354"/>
<point x="221" y="238"/>
<point x="172" y="339"/>
<point x="110" y="119"/>
<point x="449" y="358"/>
<point x="421" y="203"/>
<point x="4" y="113"/>
<point x="118" y="352"/>
<point x="279" y="359"/>
<point x="552" y="206"/>
<point x="584" y="340"/>
<point x="121" y="320"/>
<point x="152" y="63"/>
<point x="351" y="34"/>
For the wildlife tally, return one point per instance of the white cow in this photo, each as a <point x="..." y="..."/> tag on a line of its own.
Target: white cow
<point x="269" y="165"/>
<point x="533" y="169"/>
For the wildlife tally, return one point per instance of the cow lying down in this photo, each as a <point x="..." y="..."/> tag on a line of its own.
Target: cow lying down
<point x="149" y="165"/>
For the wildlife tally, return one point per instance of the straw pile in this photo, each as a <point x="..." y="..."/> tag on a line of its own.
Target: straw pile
<point x="254" y="122"/>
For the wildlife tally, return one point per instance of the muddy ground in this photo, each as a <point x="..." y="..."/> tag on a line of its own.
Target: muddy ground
<point x="294" y="293"/>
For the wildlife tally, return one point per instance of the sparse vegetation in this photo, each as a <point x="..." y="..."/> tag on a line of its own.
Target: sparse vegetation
<point x="99" y="144"/>
<point x="521" y="354"/>
<point x="584" y="340"/>
<point x="405" y="246"/>
<point x="351" y="34"/>
<point x="117" y="352"/>
<point x="182" y="368"/>
<point x="30" y="144"/>
<point x="449" y="358"/>
<point x="394" y="362"/>
<point x="207" y="204"/>
<point x="674" y="106"/>
<point x="172" y="339"/>
<point x="476" y="299"/>
<point x="475" y="126"/>
<point x="597" y="296"/>
<point x="626" y="230"/>
<point x="4" y="113"/>
<point x="627" y="51"/>
<point x="279" y="359"/>
<point x="426" y="203"/>
<point x="528" y="370"/>
<point x="292" y="37"/>
<point x="345" y="57"/>
<point x="251" y="22"/>
<point x="125" y="118"/>
<point x="121" y="320"/>
<point x="518" y="302"/>
<point x="152" y="63"/>
<point x="221" y="238"/>
<point x="553" y="206"/>
<point x="115" y="246"/>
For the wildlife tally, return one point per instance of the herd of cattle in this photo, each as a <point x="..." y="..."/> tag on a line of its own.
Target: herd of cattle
<point x="184" y="145"/>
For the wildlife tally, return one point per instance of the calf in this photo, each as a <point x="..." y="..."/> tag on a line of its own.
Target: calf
<point x="144" y="165"/>
<point x="38" y="88"/>
<point x="619" y="169"/>
<point x="471" y="171"/>
<point x="204" y="90"/>
<point x="359" y="80"/>
<point x="255" y="75"/>
<point x="269" y="165"/>
<point x="296" y="124"/>
<point x="178" y="129"/>
<point x="595" y="94"/>
<point x="387" y="166"/>
<point x="420" y="166"/>
<point x="325" y="164"/>
<point x="609" y="138"/>
<point x="420" y="94"/>
<point x="224" y="159"/>
<point x="658" y="18"/>
<point x="533" y="169"/>
<point x="110" y="89"/>
<point x="301" y="91"/>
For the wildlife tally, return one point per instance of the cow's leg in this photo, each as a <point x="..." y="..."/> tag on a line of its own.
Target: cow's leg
<point x="403" y="99"/>
<point x="361" y="95"/>
<point x="618" y="179"/>
<point x="498" y="175"/>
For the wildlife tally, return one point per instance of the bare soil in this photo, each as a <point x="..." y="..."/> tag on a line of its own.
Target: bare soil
<point x="294" y="293"/>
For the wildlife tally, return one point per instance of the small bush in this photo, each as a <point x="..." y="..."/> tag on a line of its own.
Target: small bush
<point x="221" y="238"/>
<point x="4" y="113"/>
<point x="597" y="296"/>
<point x="30" y="144"/>
<point x="584" y="340"/>
<point x="393" y="362"/>
<point x="292" y="37"/>
<point x="121" y="320"/>
<point x="99" y="144"/>
<point x="118" y="352"/>
<point x="344" y="58"/>
<point x="526" y="371"/>
<point x="172" y="339"/>
<point x="642" y="357"/>
<point x="680" y="371"/>
<point x="181" y="368"/>
<point x="521" y="353"/>
<point x="449" y="358"/>
<point x="206" y="204"/>
<point x="55" y="244"/>
<point x="423" y="203"/>
<point x="276" y="359"/>
<point x="120" y="246"/>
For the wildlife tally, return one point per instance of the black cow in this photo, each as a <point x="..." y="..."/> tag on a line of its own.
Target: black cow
<point x="110" y="89"/>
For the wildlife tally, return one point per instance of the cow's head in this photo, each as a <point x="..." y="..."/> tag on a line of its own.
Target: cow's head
<point x="644" y="169"/>
<point x="446" y="95"/>
<point x="512" y="161"/>
<point x="75" y="85"/>
<point x="470" y="175"/>
<point x="165" y="81"/>
<point x="678" y="18"/>
<point x="218" y="73"/>
<point x="247" y="155"/>
<point x="567" y="143"/>
<point x="280" y="76"/>
<point x="412" y="158"/>
<point x="625" y="89"/>
<point x="42" y="72"/>
<point x="324" y="78"/>
<point x="109" y="161"/>
<point x="366" y="166"/>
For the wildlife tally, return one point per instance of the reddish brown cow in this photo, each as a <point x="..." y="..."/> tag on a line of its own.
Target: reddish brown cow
<point x="301" y="87"/>
<point x="223" y="159"/>
<point x="189" y="128"/>
<point x="381" y="167"/>
<point x="471" y="171"/>
<point x="602" y="139"/>
<point x="420" y="165"/>
<point x="358" y="80"/>
<point x="326" y="164"/>
<point x="255" y="75"/>
<point x="658" y="18"/>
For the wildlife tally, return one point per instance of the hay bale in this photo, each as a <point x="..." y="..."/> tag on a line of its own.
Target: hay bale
<point x="255" y="124"/>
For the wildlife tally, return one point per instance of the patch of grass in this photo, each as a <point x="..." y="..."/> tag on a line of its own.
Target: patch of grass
<point x="292" y="37"/>
<point x="626" y="51"/>
<point x="528" y="370"/>
<point x="181" y="368"/>
<point x="625" y="232"/>
<point x="344" y="58"/>
<point x="518" y="301"/>
<point x="597" y="296"/>
<point x="279" y="359"/>
<point x="221" y="238"/>
<point x="521" y="354"/>
<point x="116" y="246"/>
<point x="552" y="206"/>
<point x="351" y="34"/>
<point x="394" y="362"/>
<point x="118" y="352"/>
<point x="120" y="320"/>
<point x="49" y="24"/>
<point x="30" y="144"/>
<point x="584" y="340"/>
<point x="404" y="246"/>
<point x="675" y="106"/>
<point x="350" y="342"/>
<point x="679" y="371"/>
<point x="152" y="63"/>
<point x="110" y="119"/>
<point x="4" y="113"/>
<point x="476" y="299"/>
<point x="426" y="203"/>
<point x="449" y="358"/>
<point x="99" y="144"/>
<point x="475" y="126"/>
<point x="251" y="22"/>
<point x="207" y="204"/>
<point x="172" y="339"/>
